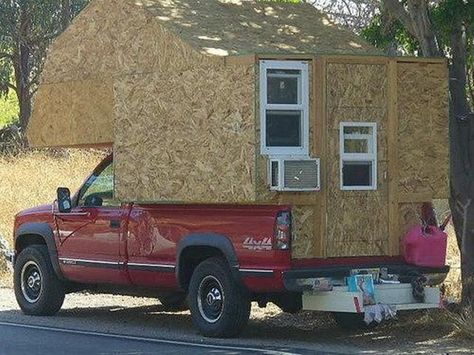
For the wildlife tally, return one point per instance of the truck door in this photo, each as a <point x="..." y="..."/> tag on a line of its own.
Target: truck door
<point x="91" y="234"/>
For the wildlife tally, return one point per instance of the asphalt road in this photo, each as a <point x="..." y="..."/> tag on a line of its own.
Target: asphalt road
<point x="30" y="339"/>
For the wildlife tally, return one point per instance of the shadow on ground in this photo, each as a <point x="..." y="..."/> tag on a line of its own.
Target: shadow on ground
<point x="416" y="332"/>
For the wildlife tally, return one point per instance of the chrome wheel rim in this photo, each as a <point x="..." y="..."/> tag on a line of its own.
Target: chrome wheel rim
<point x="31" y="282"/>
<point x="210" y="299"/>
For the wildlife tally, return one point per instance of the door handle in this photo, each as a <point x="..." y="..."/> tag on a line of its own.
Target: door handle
<point x="114" y="223"/>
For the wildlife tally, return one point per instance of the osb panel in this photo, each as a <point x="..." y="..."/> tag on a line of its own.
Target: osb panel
<point x="112" y="37"/>
<point x="255" y="27"/>
<point x="186" y="136"/>
<point x="305" y="237"/>
<point x="73" y="114"/>
<point x="423" y="129"/>
<point x="337" y="115"/>
<point x="356" y="85"/>
<point x="357" y="220"/>
<point x="409" y="215"/>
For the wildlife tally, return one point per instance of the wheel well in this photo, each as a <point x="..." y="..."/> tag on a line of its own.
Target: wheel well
<point x="26" y="240"/>
<point x="190" y="258"/>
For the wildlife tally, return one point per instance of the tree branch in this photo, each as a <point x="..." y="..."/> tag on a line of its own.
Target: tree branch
<point x="395" y="9"/>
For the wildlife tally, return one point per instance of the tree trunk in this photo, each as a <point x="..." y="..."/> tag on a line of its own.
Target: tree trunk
<point x="22" y="66"/>
<point x="65" y="13"/>
<point x="462" y="169"/>
<point x="415" y="18"/>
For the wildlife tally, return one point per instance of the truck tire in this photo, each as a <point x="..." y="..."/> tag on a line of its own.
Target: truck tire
<point x="38" y="290"/>
<point x="352" y="321"/>
<point x="175" y="302"/>
<point x="219" y="306"/>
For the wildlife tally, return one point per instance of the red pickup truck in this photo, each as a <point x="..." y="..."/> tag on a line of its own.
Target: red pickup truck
<point x="215" y="259"/>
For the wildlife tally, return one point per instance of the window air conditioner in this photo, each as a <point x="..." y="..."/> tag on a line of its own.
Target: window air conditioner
<point x="294" y="174"/>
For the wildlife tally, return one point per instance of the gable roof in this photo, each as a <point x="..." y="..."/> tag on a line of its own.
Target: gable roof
<point x="238" y="27"/>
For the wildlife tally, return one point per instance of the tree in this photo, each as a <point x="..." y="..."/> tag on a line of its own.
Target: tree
<point x="27" y="27"/>
<point x="433" y="29"/>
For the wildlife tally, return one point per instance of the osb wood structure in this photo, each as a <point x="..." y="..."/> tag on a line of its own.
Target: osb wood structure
<point x="371" y="89"/>
<point x="175" y="93"/>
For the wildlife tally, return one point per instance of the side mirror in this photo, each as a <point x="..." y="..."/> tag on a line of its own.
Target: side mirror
<point x="64" y="200"/>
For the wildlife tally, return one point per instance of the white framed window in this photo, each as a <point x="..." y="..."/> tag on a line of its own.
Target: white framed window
<point x="284" y="111"/>
<point x="358" y="151"/>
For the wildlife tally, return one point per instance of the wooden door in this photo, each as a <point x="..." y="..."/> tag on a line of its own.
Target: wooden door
<point x="357" y="220"/>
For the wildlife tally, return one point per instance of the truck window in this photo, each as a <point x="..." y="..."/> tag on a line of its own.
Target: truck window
<point x="99" y="189"/>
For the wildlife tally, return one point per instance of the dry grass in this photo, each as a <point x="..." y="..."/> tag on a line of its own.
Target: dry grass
<point x="31" y="179"/>
<point x="453" y="281"/>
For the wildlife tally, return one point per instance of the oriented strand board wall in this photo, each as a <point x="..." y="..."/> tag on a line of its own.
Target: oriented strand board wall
<point x="73" y="113"/>
<point x="109" y="39"/>
<point x="186" y="135"/>
<point x="423" y="129"/>
<point x="357" y="220"/>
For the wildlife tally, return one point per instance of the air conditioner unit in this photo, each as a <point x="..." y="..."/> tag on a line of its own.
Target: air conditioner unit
<point x="294" y="174"/>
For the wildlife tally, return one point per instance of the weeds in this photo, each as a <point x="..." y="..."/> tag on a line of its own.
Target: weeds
<point x="31" y="178"/>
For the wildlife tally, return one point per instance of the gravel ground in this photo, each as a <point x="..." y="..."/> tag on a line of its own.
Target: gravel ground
<point x="414" y="333"/>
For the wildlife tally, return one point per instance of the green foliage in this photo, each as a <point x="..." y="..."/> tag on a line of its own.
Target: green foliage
<point x="382" y="35"/>
<point x="27" y="27"/>
<point x="8" y="109"/>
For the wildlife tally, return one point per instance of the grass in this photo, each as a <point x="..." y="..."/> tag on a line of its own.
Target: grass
<point x="31" y="179"/>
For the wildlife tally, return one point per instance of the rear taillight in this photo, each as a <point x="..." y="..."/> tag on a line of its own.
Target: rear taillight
<point x="282" y="234"/>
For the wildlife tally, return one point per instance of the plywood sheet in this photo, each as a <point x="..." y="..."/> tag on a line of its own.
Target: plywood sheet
<point x="186" y="136"/>
<point x="357" y="221"/>
<point x="113" y="37"/>
<point x="356" y="218"/>
<point x="423" y="129"/>
<point x="305" y="236"/>
<point x="358" y="86"/>
<point x="253" y="26"/>
<point x="73" y="114"/>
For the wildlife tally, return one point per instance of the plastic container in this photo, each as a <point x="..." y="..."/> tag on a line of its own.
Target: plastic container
<point x="425" y="248"/>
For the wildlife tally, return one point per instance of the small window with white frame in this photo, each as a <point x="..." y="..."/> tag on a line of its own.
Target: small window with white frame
<point x="284" y="97"/>
<point x="358" y="148"/>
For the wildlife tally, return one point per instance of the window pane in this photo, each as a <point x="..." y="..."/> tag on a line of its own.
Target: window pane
<point x="356" y="146"/>
<point x="283" y="128"/>
<point x="99" y="186"/>
<point x="282" y="86"/>
<point x="357" y="173"/>
<point x="357" y="130"/>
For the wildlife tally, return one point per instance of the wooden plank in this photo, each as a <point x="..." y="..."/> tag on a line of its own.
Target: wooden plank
<point x="353" y="59"/>
<point x="421" y="60"/>
<point x="306" y="56"/>
<point x="322" y="129"/>
<point x="392" y="140"/>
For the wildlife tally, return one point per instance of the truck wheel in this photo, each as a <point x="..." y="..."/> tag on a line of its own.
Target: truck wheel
<point x="38" y="291"/>
<point x="352" y="321"/>
<point x="219" y="306"/>
<point x="174" y="302"/>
